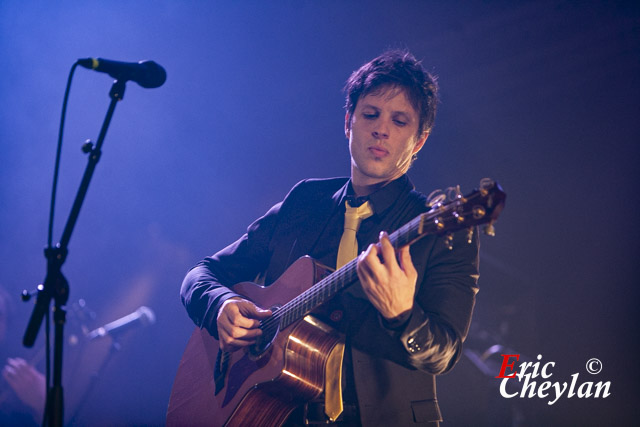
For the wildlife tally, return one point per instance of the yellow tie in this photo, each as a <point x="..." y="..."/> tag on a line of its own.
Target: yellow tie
<point x="347" y="251"/>
<point x="348" y="248"/>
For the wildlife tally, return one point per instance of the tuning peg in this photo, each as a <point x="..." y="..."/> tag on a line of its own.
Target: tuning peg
<point x="448" y="240"/>
<point x="478" y="212"/>
<point x="436" y="199"/>
<point x="453" y="193"/>
<point x="457" y="193"/>
<point x="470" y="235"/>
<point x="489" y="230"/>
<point x="487" y="183"/>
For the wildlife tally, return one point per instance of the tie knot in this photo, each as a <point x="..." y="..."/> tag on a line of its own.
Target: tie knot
<point x="354" y="216"/>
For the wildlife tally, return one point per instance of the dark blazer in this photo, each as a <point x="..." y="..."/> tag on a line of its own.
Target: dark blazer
<point x="393" y="365"/>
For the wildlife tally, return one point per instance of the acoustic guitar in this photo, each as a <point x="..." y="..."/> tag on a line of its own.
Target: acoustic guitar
<point x="262" y="384"/>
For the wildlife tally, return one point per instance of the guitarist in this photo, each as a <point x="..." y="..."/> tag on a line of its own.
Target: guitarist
<point x="405" y="320"/>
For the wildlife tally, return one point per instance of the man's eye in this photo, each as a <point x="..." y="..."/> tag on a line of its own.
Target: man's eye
<point x="400" y="122"/>
<point x="370" y="116"/>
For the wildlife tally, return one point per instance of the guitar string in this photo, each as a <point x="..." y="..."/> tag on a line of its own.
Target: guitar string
<point x="329" y="286"/>
<point x="336" y="281"/>
<point x="332" y="283"/>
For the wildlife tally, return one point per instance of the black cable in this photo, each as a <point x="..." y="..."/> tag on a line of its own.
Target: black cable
<point x="57" y="164"/>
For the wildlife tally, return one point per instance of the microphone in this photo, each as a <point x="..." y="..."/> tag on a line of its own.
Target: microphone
<point x="143" y="316"/>
<point x="146" y="73"/>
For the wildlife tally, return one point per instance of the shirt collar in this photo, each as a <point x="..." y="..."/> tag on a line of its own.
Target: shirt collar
<point x="381" y="199"/>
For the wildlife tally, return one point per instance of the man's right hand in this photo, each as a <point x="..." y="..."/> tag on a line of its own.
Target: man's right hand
<point x="238" y="323"/>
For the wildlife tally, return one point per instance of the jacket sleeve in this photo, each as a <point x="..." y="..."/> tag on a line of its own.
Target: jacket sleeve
<point x="207" y="285"/>
<point x="439" y="322"/>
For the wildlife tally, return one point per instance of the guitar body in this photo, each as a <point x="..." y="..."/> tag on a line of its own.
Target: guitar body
<point x="242" y="388"/>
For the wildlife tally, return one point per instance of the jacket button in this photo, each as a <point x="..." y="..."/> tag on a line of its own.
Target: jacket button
<point x="413" y="345"/>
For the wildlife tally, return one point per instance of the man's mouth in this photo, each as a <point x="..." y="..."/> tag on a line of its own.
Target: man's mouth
<point x="378" y="151"/>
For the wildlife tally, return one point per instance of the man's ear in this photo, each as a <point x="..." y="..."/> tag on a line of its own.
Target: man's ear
<point x="420" y="142"/>
<point x="347" y="125"/>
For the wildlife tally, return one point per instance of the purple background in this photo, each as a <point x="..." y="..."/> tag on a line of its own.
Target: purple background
<point x="541" y="96"/>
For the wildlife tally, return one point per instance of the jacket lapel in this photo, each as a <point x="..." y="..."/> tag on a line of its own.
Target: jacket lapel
<point x="323" y="212"/>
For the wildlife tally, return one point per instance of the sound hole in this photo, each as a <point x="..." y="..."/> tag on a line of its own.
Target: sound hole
<point x="270" y="329"/>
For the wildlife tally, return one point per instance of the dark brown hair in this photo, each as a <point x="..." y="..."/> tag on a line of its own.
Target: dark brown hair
<point x="396" y="69"/>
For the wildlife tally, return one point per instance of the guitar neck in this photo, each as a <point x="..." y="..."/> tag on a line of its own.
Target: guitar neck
<point x="328" y="287"/>
<point x="480" y="207"/>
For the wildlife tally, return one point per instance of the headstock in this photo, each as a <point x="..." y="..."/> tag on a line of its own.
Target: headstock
<point x="482" y="206"/>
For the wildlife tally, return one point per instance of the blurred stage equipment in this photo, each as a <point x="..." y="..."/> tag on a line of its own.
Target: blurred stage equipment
<point x="143" y="316"/>
<point x="484" y="348"/>
<point x="55" y="286"/>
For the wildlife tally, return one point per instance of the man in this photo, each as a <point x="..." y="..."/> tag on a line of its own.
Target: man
<point x="406" y="318"/>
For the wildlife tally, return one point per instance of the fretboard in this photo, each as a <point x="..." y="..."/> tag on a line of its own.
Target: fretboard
<point x="328" y="287"/>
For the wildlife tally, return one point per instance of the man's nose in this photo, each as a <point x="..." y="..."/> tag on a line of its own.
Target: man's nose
<point x="381" y="131"/>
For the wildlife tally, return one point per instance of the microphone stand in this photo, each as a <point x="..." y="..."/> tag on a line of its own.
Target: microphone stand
<point x="55" y="285"/>
<point x="114" y="348"/>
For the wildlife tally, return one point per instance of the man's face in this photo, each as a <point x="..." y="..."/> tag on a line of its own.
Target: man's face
<point x="382" y="137"/>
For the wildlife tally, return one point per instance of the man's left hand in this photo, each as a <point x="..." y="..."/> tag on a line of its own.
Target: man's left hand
<point x="389" y="285"/>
